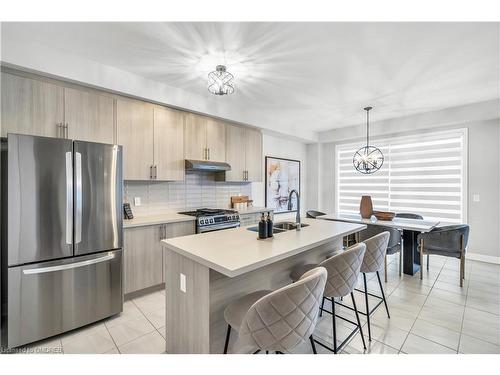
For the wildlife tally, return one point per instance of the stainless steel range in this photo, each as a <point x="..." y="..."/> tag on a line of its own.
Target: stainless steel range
<point x="212" y="219"/>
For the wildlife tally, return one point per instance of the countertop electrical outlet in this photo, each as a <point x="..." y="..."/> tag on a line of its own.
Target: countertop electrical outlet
<point x="137" y="201"/>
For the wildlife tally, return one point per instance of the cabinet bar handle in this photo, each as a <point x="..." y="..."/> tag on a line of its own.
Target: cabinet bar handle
<point x="150" y="172"/>
<point x="156" y="171"/>
<point x="208" y="153"/>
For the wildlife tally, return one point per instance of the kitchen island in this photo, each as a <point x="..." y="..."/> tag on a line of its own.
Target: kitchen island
<point x="205" y="272"/>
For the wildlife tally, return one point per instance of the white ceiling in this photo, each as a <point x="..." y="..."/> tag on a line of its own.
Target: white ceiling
<point x="313" y="75"/>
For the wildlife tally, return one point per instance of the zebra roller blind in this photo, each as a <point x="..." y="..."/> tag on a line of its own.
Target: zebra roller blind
<point x="424" y="174"/>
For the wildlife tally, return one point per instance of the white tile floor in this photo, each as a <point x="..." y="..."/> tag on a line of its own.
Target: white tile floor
<point x="430" y="316"/>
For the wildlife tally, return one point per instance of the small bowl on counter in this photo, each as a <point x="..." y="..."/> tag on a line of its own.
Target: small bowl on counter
<point x="384" y="215"/>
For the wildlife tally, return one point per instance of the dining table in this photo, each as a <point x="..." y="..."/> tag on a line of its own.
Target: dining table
<point x="409" y="227"/>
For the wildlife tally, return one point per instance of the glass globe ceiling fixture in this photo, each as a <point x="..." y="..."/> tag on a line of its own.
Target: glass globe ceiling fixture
<point x="368" y="159"/>
<point x="220" y="81"/>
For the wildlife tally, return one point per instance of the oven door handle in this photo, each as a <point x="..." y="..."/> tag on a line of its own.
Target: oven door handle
<point x="211" y="228"/>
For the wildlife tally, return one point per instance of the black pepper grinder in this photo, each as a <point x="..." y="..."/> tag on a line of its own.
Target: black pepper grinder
<point x="269" y="225"/>
<point x="262" y="227"/>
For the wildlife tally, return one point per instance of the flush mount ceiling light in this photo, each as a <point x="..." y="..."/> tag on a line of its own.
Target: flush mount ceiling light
<point x="368" y="159"/>
<point x="220" y="81"/>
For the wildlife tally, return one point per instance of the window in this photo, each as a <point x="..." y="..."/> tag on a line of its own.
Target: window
<point x="424" y="174"/>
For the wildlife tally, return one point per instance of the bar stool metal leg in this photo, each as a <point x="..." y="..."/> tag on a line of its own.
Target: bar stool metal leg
<point x="367" y="308"/>
<point x="383" y="295"/>
<point x="357" y="318"/>
<point x="228" y="334"/>
<point x="322" y="305"/>
<point x="313" y="345"/>
<point x="334" y="327"/>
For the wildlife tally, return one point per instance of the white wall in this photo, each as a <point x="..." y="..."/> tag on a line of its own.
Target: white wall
<point x="483" y="124"/>
<point x="277" y="146"/>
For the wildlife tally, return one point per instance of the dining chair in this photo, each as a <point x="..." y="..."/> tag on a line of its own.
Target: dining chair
<point x="312" y="214"/>
<point x="277" y="321"/>
<point x="393" y="246"/>
<point x="448" y="241"/>
<point x="409" y="215"/>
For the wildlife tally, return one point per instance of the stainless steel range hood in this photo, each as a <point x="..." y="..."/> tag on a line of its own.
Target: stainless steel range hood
<point x="206" y="166"/>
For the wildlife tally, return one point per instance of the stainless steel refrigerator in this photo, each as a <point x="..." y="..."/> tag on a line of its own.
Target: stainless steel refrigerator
<point x="61" y="236"/>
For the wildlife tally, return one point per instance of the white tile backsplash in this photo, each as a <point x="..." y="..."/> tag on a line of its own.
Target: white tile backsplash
<point x="198" y="190"/>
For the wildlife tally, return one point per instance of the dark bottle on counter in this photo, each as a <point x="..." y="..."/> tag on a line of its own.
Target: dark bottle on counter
<point x="269" y="225"/>
<point x="262" y="228"/>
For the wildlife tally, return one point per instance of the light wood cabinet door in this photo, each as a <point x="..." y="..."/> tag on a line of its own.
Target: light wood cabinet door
<point x="134" y="122"/>
<point x="31" y="107"/>
<point x="216" y="140"/>
<point x="184" y="228"/>
<point x="168" y="144"/>
<point x="235" y="152"/>
<point x="253" y="155"/>
<point x="143" y="257"/>
<point x="172" y="230"/>
<point x="89" y="116"/>
<point x="195" y="137"/>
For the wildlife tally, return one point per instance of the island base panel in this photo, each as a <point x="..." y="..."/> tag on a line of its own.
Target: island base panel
<point x="195" y="319"/>
<point x="187" y="313"/>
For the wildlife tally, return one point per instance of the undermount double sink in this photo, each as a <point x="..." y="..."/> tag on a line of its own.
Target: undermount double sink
<point x="280" y="227"/>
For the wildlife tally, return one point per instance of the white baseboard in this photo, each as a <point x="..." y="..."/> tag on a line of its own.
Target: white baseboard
<point x="483" y="258"/>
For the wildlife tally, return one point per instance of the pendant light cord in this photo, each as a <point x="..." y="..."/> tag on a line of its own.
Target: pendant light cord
<point x="367" y="127"/>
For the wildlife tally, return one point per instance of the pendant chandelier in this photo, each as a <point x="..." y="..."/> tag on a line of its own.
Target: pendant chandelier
<point x="220" y="81"/>
<point x="368" y="159"/>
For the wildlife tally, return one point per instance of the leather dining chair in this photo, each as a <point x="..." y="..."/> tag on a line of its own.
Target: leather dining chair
<point x="312" y="214"/>
<point x="448" y="241"/>
<point x="409" y="215"/>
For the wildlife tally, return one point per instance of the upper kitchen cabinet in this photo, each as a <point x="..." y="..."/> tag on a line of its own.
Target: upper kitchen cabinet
<point x="195" y="137"/>
<point x="134" y="122"/>
<point x="216" y="140"/>
<point x="253" y="155"/>
<point x="244" y="154"/>
<point x="88" y="116"/>
<point x="31" y="107"/>
<point x="168" y="144"/>
<point x="205" y="138"/>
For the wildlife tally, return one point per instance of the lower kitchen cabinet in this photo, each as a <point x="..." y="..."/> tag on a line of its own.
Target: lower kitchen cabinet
<point x="143" y="258"/>
<point x="143" y="253"/>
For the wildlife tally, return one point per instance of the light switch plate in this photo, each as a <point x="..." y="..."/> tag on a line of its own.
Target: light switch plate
<point x="137" y="201"/>
<point x="476" y="198"/>
<point x="183" y="282"/>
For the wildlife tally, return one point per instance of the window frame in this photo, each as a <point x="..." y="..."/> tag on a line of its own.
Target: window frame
<point x="386" y="138"/>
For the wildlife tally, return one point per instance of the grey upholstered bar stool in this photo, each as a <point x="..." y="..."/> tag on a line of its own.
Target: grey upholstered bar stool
<point x="343" y="271"/>
<point x="393" y="247"/>
<point x="277" y="321"/>
<point x="448" y="241"/>
<point x="374" y="262"/>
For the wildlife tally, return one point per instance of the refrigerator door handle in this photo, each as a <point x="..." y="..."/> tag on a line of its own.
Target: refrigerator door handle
<point x="69" y="198"/>
<point x="78" y="197"/>
<point x="68" y="266"/>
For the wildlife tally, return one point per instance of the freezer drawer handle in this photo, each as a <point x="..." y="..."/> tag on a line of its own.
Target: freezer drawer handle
<point x="69" y="266"/>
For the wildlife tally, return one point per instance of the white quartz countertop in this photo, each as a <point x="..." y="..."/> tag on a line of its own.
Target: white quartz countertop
<point x="174" y="217"/>
<point x="156" y="219"/>
<point x="233" y="252"/>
